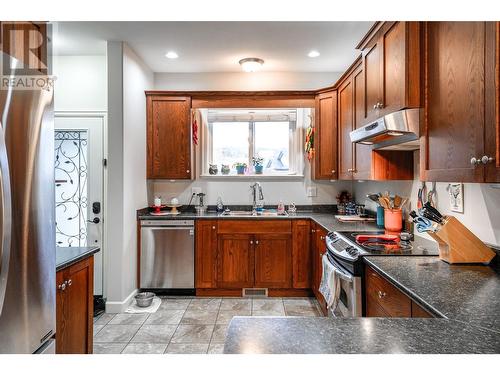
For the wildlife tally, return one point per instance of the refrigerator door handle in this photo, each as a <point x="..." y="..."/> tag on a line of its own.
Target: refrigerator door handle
<point x="6" y="217"/>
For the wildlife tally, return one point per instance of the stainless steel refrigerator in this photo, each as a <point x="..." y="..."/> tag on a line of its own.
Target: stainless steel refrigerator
<point x="27" y="234"/>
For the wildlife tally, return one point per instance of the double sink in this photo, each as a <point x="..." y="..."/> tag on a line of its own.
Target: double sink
<point x="265" y="213"/>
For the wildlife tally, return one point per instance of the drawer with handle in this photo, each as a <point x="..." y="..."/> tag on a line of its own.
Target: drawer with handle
<point x="382" y="296"/>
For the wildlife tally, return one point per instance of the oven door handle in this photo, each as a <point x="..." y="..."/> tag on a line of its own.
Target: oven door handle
<point x="343" y="275"/>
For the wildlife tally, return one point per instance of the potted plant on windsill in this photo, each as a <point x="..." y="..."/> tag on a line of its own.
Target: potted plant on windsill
<point x="258" y="164"/>
<point x="240" y="167"/>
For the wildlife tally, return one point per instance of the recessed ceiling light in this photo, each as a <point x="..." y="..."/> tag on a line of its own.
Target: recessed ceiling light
<point x="171" y="55"/>
<point x="313" y="53"/>
<point x="251" y="64"/>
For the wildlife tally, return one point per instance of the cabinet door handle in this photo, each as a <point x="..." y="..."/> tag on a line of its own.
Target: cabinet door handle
<point x="256" y="242"/>
<point x="62" y="286"/>
<point x="251" y="242"/>
<point x="375" y="106"/>
<point x="70" y="282"/>
<point x="322" y="238"/>
<point x="213" y="227"/>
<point x="487" y="159"/>
<point x="333" y="172"/>
<point x="381" y="294"/>
<point x="350" y="170"/>
<point x="187" y="171"/>
<point x="474" y="161"/>
<point x="313" y="230"/>
<point x="380" y="105"/>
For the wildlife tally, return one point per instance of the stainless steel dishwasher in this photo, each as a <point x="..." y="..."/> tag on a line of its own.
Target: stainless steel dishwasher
<point x="167" y="254"/>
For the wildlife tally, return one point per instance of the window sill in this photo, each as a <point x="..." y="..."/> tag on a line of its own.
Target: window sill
<point x="235" y="177"/>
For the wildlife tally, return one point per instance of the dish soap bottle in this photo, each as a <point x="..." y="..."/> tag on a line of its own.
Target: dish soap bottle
<point x="220" y="206"/>
<point x="281" y="208"/>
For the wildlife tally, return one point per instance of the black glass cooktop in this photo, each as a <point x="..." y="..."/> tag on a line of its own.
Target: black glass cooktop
<point x="381" y="243"/>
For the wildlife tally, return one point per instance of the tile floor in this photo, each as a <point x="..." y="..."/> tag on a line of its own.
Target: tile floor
<point x="187" y="325"/>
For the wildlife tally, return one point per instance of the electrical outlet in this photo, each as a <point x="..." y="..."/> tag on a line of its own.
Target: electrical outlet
<point x="312" y="191"/>
<point x="196" y="190"/>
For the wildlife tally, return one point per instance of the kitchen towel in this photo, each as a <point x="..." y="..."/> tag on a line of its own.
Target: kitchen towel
<point x="328" y="282"/>
<point x="134" y="309"/>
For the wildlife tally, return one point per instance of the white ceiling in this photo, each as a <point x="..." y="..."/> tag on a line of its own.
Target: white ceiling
<point x="218" y="46"/>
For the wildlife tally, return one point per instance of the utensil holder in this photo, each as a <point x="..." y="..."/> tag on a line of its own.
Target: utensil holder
<point x="393" y="219"/>
<point x="457" y="244"/>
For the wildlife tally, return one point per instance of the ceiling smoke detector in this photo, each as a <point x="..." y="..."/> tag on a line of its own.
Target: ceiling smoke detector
<point x="251" y="64"/>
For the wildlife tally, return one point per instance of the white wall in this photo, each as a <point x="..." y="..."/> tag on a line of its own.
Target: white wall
<point x="245" y="81"/>
<point x="80" y="83"/>
<point x="137" y="77"/>
<point x="129" y="77"/>
<point x="481" y="202"/>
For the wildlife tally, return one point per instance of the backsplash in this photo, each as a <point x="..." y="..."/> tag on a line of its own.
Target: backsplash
<point x="481" y="202"/>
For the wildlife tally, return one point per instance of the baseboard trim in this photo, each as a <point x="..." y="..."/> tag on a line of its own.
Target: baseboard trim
<point x="201" y="292"/>
<point x="120" y="306"/>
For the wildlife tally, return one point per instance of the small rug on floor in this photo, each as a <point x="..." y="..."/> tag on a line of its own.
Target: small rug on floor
<point x="134" y="309"/>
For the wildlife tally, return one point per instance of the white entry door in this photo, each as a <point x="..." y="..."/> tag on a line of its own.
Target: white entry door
<point x="79" y="171"/>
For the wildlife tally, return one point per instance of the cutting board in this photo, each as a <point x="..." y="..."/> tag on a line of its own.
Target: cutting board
<point x="353" y="218"/>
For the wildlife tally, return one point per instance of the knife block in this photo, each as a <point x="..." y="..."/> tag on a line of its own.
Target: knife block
<point x="457" y="244"/>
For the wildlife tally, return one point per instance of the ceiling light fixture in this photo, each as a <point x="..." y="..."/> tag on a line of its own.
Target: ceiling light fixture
<point x="251" y="64"/>
<point x="313" y="53"/>
<point x="171" y="55"/>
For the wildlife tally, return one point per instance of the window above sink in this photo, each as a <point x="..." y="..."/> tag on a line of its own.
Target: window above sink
<point x="272" y="137"/>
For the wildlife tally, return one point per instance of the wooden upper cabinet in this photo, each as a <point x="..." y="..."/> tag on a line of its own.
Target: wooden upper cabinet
<point x="391" y="68"/>
<point x="461" y="102"/>
<point x="235" y="261"/>
<point x="345" y="115"/>
<point x="169" y="152"/>
<point x="206" y="254"/>
<point x="492" y="102"/>
<point x="301" y="254"/>
<point x="273" y="261"/>
<point x="325" y="137"/>
<point x="362" y="153"/>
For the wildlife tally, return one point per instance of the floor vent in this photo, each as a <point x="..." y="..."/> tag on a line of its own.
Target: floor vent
<point x="254" y="292"/>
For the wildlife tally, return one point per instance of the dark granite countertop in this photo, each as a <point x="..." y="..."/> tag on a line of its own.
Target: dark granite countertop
<point x="326" y="220"/>
<point x="66" y="256"/>
<point x="290" y="335"/>
<point x="468" y="293"/>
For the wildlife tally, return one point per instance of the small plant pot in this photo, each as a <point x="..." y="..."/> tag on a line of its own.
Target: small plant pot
<point x="212" y="169"/>
<point x="225" y="169"/>
<point x="240" y="170"/>
<point x="258" y="169"/>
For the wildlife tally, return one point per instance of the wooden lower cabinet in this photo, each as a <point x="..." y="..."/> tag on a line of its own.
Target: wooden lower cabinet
<point x="318" y="251"/>
<point x="235" y="254"/>
<point x="206" y="254"/>
<point x="235" y="261"/>
<point x="74" y="308"/>
<point x="273" y="261"/>
<point x="382" y="299"/>
<point x="301" y="254"/>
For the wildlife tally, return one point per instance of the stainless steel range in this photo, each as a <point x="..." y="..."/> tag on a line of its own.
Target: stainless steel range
<point x="345" y="253"/>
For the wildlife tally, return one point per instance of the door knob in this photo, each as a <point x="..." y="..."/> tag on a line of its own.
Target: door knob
<point x="487" y="159"/>
<point x="475" y="161"/>
<point x="95" y="220"/>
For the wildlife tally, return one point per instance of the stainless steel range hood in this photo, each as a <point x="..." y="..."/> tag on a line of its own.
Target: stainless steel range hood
<point x="395" y="131"/>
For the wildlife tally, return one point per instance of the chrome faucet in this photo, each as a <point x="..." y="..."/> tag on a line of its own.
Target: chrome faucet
<point x="256" y="187"/>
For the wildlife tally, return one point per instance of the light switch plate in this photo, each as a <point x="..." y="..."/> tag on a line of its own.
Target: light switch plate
<point x="195" y="190"/>
<point x="312" y="191"/>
